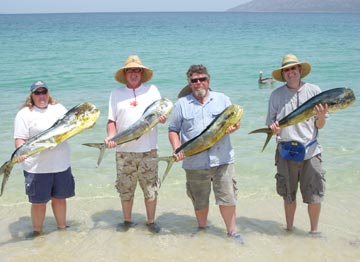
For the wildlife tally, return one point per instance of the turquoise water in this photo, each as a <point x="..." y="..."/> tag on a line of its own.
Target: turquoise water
<point x="77" y="56"/>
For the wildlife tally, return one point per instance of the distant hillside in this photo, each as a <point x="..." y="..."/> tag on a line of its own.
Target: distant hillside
<point x="323" y="6"/>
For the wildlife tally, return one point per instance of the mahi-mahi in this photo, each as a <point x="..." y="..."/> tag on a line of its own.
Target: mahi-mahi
<point x="75" y="121"/>
<point x="208" y="137"/>
<point x="336" y="99"/>
<point x="148" y="120"/>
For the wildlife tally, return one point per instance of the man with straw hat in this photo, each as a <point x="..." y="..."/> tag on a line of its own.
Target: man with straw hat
<point x="299" y="137"/>
<point x="135" y="160"/>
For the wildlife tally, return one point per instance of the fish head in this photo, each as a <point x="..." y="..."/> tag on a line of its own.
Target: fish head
<point x="233" y="114"/>
<point x="344" y="99"/>
<point x="86" y="114"/>
<point x="165" y="106"/>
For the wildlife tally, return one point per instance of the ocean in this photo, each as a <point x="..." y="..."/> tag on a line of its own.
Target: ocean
<point x="77" y="56"/>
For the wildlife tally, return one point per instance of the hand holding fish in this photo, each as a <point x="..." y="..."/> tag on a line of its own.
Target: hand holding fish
<point x="22" y="158"/>
<point x="109" y="143"/>
<point x="275" y="128"/>
<point x="179" y="156"/>
<point x="162" y="119"/>
<point x="233" y="128"/>
<point x="321" y="111"/>
<point x="19" y="142"/>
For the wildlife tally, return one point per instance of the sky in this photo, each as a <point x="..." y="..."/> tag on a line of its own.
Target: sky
<point x="79" y="6"/>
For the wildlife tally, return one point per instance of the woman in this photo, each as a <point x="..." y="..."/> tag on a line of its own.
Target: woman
<point x="47" y="174"/>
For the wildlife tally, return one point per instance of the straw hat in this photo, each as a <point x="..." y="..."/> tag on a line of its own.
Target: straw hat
<point x="185" y="91"/>
<point x="133" y="61"/>
<point x="289" y="61"/>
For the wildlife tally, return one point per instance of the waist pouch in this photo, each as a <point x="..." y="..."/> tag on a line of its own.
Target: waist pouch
<point x="294" y="150"/>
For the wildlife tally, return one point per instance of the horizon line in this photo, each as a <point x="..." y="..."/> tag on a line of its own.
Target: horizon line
<point x="224" y="11"/>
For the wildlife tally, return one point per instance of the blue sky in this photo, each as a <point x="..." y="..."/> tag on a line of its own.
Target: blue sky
<point x="65" y="6"/>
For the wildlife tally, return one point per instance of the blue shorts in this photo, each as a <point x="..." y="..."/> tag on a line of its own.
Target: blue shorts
<point x="40" y="188"/>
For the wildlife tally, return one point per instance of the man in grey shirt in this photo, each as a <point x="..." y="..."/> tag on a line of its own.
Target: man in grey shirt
<point x="308" y="171"/>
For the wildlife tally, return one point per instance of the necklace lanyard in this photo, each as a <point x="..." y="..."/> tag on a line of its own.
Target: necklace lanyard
<point x="297" y="99"/>
<point x="134" y="103"/>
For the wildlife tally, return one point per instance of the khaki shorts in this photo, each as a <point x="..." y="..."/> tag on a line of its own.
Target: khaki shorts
<point x="198" y="185"/>
<point x="308" y="173"/>
<point x="133" y="167"/>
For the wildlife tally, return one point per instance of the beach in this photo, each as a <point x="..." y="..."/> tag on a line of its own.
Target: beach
<point x="77" y="56"/>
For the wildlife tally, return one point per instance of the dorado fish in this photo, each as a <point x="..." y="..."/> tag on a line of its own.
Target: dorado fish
<point x="75" y="121"/>
<point x="208" y="137"/>
<point x="148" y="120"/>
<point x="336" y="99"/>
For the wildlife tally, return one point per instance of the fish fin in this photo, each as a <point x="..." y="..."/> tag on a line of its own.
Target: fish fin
<point x="265" y="130"/>
<point x="269" y="135"/>
<point x="96" y="145"/>
<point x="101" y="147"/>
<point x="6" y="170"/>
<point x="101" y="155"/>
<point x="170" y="161"/>
<point x="261" y="130"/>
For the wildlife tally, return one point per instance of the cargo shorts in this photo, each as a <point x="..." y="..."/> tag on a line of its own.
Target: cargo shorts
<point x="41" y="187"/>
<point x="308" y="173"/>
<point x="133" y="167"/>
<point x="198" y="186"/>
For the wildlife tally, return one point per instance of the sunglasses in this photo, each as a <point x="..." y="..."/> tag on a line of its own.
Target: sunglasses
<point x="201" y="79"/>
<point x="43" y="92"/>
<point x="133" y="70"/>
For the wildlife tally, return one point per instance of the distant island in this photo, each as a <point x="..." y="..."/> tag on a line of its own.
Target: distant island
<point x="319" y="6"/>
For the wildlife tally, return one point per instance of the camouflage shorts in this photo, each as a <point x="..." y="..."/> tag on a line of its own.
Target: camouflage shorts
<point x="133" y="167"/>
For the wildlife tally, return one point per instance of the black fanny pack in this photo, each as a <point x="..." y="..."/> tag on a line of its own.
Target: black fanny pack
<point x="294" y="150"/>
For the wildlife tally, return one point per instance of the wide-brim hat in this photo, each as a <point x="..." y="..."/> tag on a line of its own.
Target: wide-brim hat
<point x="37" y="84"/>
<point x="133" y="61"/>
<point x="289" y="61"/>
<point x="186" y="91"/>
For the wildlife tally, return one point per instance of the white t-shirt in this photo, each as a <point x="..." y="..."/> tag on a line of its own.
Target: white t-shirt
<point x="30" y="123"/>
<point x="124" y="112"/>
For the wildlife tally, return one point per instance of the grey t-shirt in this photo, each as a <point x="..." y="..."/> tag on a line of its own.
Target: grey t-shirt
<point x="281" y="103"/>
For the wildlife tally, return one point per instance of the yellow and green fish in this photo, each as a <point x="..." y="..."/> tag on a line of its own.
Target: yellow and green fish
<point x="208" y="137"/>
<point x="336" y="99"/>
<point x="148" y="120"/>
<point x="75" y="121"/>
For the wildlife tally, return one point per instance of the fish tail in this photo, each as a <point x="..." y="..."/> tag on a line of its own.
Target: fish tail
<point x="101" y="147"/>
<point x="170" y="161"/>
<point x="6" y="170"/>
<point x="267" y="131"/>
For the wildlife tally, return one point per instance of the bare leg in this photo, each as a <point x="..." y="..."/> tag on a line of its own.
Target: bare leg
<point x="150" y="210"/>
<point x="290" y="214"/>
<point x="37" y="216"/>
<point x="59" y="209"/>
<point x="150" y="213"/>
<point x="127" y="209"/>
<point x="228" y="213"/>
<point x="201" y="217"/>
<point x="314" y="214"/>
